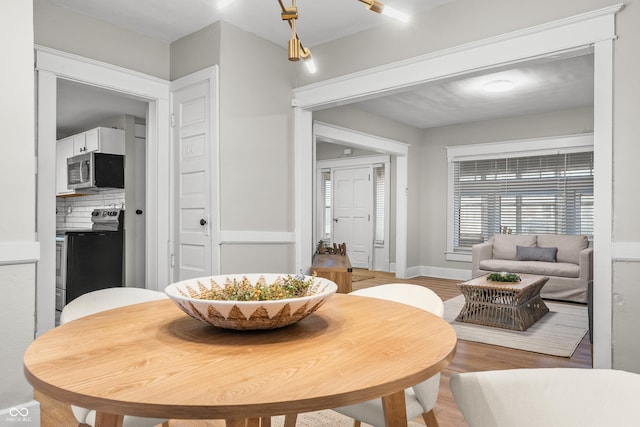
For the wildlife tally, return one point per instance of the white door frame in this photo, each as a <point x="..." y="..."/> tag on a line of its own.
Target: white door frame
<point x="51" y="65"/>
<point x="594" y="29"/>
<point x="211" y="76"/>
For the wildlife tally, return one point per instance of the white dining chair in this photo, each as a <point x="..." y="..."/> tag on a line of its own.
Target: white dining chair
<point x="567" y="397"/>
<point x="421" y="398"/>
<point x="101" y="300"/>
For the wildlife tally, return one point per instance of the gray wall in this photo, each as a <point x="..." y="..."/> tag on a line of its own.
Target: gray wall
<point x="256" y="150"/>
<point x="256" y="153"/>
<point x="68" y="31"/>
<point x="206" y="42"/>
<point x="17" y="178"/>
<point x="433" y="159"/>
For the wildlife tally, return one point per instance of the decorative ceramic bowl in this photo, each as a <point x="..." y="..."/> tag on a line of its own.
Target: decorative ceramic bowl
<point x="248" y="315"/>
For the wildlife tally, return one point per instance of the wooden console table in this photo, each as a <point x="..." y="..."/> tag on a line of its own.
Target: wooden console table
<point x="336" y="268"/>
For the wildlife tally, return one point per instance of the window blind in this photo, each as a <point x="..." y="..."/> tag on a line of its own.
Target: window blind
<point x="522" y="195"/>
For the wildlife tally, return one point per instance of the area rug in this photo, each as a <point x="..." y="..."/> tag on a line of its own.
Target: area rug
<point x="325" y="418"/>
<point x="558" y="333"/>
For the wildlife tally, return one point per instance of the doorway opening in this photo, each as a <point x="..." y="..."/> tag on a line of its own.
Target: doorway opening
<point x="366" y="225"/>
<point x="593" y="30"/>
<point x="56" y="68"/>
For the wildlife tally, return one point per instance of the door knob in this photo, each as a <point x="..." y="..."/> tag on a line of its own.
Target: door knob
<point x="203" y="221"/>
<point x="335" y="219"/>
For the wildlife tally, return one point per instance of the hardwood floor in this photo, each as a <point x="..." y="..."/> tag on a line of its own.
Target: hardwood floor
<point x="470" y="356"/>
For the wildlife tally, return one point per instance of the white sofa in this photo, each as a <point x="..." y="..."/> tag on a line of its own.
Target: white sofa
<point x="567" y="260"/>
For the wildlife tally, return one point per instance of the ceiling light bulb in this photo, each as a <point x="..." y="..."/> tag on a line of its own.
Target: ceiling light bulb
<point x="311" y="65"/>
<point x="496" y="86"/>
<point x="395" y="14"/>
<point x="305" y="54"/>
<point x="224" y="3"/>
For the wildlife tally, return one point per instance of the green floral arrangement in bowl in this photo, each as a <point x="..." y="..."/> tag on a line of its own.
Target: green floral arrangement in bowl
<point x="503" y="277"/>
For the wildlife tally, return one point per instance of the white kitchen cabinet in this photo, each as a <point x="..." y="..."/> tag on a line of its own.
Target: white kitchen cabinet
<point x="103" y="140"/>
<point x="79" y="144"/>
<point x="64" y="150"/>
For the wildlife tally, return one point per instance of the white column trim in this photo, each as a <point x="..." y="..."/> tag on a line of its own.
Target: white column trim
<point x="304" y="184"/>
<point x="603" y="205"/>
<point x="339" y="135"/>
<point x="349" y="162"/>
<point x="46" y="201"/>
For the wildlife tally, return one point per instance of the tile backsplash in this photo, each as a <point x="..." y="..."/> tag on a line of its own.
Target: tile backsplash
<point x="75" y="212"/>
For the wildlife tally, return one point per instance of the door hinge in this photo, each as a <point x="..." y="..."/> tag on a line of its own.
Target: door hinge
<point x="173" y="260"/>
<point x="369" y="217"/>
<point x="173" y="120"/>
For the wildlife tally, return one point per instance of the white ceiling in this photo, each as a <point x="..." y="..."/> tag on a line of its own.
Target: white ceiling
<point x="550" y="84"/>
<point x="543" y="85"/>
<point x="319" y="21"/>
<point x="80" y="107"/>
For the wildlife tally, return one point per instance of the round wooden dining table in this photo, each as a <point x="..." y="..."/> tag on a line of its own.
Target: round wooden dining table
<point x="153" y="360"/>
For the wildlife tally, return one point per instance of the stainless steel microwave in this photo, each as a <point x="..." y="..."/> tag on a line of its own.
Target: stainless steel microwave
<point x="95" y="170"/>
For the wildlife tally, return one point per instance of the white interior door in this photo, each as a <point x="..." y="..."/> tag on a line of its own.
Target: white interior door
<point x="352" y="202"/>
<point x="192" y="137"/>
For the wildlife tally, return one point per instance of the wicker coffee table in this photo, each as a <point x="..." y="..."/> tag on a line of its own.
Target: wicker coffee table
<point x="515" y="305"/>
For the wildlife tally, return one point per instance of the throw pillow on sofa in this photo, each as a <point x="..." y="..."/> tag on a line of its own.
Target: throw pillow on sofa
<point x="504" y="245"/>
<point x="535" y="253"/>
<point x="569" y="245"/>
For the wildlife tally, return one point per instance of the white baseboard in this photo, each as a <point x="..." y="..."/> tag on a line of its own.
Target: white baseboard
<point x="24" y="414"/>
<point x="446" y="273"/>
<point x="440" y="272"/>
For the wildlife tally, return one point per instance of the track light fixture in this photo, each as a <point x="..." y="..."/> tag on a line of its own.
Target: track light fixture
<point x="379" y="7"/>
<point x="296" y="50"/>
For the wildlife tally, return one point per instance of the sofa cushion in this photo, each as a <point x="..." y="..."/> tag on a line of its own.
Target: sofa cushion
<point x="569" y="246"/>
<point x="535" y="253"/>
<point x="560" y="269"/>
<point x="504" y="245"/>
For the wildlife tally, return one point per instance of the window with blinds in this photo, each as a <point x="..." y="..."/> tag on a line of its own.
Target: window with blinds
<point x="378" y="173"/>
<point x="522" y="195"/>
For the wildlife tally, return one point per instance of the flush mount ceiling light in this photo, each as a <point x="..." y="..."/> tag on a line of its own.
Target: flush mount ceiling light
<point x="296" y="50"/>
<point x="497" y="86"/>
